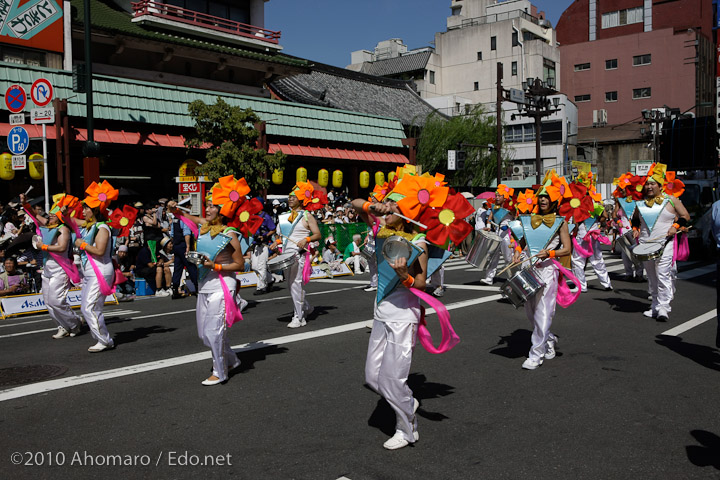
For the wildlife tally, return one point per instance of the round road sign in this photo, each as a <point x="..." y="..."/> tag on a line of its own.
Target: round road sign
<point x="18" y="140"/>
<point x="41" y="92"/>
<point x="15" y="98"/>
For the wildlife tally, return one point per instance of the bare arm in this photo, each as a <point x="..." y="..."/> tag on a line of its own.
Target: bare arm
<point x="564" y="239"/>
<point x="62" y="241"/>
<point x="419" y="268"/>
<point x="315" y="231"/>
<point x="238" y="263"/>
<point x="101" y="240"/>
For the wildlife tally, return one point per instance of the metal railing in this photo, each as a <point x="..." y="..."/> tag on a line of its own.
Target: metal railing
<point x="198" y="19"/>
<point x="498" y="17"/>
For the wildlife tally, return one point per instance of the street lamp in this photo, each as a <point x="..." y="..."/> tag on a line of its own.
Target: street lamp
<point x="537" y="106"/>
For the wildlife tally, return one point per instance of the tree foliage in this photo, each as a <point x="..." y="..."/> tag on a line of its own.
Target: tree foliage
<point x="441" y="134"/>
<point x="229" y="137"/>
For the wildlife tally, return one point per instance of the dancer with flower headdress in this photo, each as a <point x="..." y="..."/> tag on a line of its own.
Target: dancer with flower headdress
<point x="398" y="317"/>
<point x="298" y="229"/>
<point x="223" y="238"/>
<point x="658" y="218"/>
<point x="629" y="189"/>
<point x="59" y="272"/>
<point x="500" y="215"/>
<point x="94" y="240"/>
<point x="587" y="237"/>
<point x="545" y="236"/>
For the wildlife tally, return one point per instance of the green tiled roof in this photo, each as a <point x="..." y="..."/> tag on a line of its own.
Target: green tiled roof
<point x="147" y="103"/>
<point x="110" y="19"/>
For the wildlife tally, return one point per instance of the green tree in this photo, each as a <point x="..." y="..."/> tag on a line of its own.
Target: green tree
<point x="228" y="135"/>
<point x="441" y="134"/>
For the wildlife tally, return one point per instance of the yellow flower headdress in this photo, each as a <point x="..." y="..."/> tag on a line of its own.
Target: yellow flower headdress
<point x="657" y="173"/>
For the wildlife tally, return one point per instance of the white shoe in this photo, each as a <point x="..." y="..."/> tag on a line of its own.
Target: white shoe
<point x="487" y="282"/>
<point x="75" y="331"/>
<point x="207" y="382"/>
<point x="530" y="364"/>
<point x="243" y="303"/>
<point x="550" y="352"/>
<point x="99" y="347"/>
<point x="662" y="315"/>
<point x="439" y="292"/>
<point x="369" y="288"/>
<point x="159" y="293"/>
<point x="119" y="296"/>
<point x="167" y="292"/>
<point x="61" y="333"/>
<point x="650" y="313"/>
<point x="297" y="323"/>
<point x="416" y="404"/>
<point x="396" y="441"/>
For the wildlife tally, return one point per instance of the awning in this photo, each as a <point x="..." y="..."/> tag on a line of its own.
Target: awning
<point x="339" y="153"/>
<point x="105" y="136"/>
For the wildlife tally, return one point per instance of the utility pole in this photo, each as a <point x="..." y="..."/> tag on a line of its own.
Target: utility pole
<point x="537" y="106"/>
<point x="498" y="113"/>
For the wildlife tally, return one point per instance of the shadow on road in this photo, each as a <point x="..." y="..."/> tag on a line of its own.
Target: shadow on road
<point x="248" y="358"/>
<point x="383" y="417"/>
<point x="139" y="333"/>
<point x="708" y="357"/>
<point x="707" y="455"/>
<point x="318" y="311"/>
<point x="515" y="345"/>
<point x="625" y="304"/>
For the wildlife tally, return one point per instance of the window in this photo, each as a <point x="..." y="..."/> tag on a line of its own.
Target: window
<point x="479" y="56"/>
<point x="641" y="93"/>
<point x="551" y="132"/>
<point x="641" y="60"/>
<point x="515" y="42"/>
<point x="549" y="75"/>
<point x="493" y="43"/>
<point x="21" y="56"/>
<point x="520" y="133"/>
<point x="619" y="18"/>
<point x="611" y="96"/>
<point x="582" y="66"/>
<point x="611" y="64"/>
<point x="476" y="86"/>
<point x="432" y="77"/>
<point x="582" y="98"/>
<point x="514" y="68"/>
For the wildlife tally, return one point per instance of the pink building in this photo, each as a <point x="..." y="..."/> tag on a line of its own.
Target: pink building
<point x="633" y="55"/>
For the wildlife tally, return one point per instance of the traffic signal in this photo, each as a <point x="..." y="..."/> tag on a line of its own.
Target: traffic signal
<point x="79" y="82"/>
<point x="460" y="156"/>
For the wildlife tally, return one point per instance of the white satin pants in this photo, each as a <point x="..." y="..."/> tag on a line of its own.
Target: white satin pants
<point x="387" y="368"/>
<point x="596" y="261"/>
<point x="212" y="329"/>
<point x="540" y="309"/>
<point x="661" y="279"/>
<point x="92" y="303"/>
<point x="258" y="262"/>
<point x="631" y="269"/>
<point x="293" y="275"/>
<point x="504" y="250"/>
<point x="372" y="265"/>
<point x="55" y="291"/>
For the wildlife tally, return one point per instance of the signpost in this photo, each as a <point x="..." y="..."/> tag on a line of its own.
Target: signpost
<point x="18" y="140"/>
<point x="41" y="92"/>
<point x="15" y="98"/>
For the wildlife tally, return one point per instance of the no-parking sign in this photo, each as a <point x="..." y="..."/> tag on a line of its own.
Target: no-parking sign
<point x="15" y="98"/>
<point x="41" y="92"/>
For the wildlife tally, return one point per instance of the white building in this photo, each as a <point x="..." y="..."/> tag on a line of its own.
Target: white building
<point x="462" y="70"/>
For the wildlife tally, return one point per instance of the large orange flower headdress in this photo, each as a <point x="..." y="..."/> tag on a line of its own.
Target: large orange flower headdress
<point x="419" y="193"/>
<point x="100" y="195"/>
<point x="73" y="204"/>
<point x="657" y="173"/>
<point x="229" y="194"/>
<point x="673" y="186"/>
<point x="555" y="187"/>
<point x="526" y="201"/>
<point x="505" y="191"/>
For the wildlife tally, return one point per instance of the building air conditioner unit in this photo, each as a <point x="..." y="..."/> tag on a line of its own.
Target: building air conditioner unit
<point x="518" y="177"/>
<point x="600" y="118"/>
<point x="529" y="169"/>
<point x="518" y="170"/>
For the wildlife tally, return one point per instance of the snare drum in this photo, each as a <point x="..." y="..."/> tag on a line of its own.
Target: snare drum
<point x="282" y="261"/>
<point x="396" y="247"/>
<point x="36" y="241"/>
<point x="195" y="258"/>
<point x="483" y="248"/>
<point x="626" y="242"/>
<point x="648" y="251"/>
<point x="522" y="286"/>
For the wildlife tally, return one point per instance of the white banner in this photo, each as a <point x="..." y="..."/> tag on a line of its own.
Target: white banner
<point x="34" y="303"/>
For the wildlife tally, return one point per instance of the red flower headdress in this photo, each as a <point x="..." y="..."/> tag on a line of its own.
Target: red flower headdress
<point x="123" y="219"/>
<point x="448" y="220"/>
<point x="580" y="206"/>
<point x="246" y="219"/>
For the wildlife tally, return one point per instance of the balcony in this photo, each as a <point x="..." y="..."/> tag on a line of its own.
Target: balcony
<point x="201" y="24"/>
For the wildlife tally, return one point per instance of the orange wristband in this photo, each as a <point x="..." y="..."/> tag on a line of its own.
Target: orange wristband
<point x="551" y="253"/>
<point x="409" y="281"/>
<point x="308" y="239"/>
<point x="366" y="207"/>
<point x="518" y="249"/>
<point x="278" y="241"/>
<point x="83" y="245"/>
<point x="676" y="226"/>
<point x="217" y="267"/>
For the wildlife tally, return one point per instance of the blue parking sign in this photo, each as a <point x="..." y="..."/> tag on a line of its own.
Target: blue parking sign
<point x="18" y="140"/>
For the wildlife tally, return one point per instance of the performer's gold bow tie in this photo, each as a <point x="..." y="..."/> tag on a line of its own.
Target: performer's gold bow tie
<point x="657" y="200"/>
<point x="537" y="220"/>
<point x="292" y="216"/>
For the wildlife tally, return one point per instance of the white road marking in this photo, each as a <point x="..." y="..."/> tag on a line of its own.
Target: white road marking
<point x="696" y="272"/>
<point x="684" y="327"/>
<point x="57" y="384"/>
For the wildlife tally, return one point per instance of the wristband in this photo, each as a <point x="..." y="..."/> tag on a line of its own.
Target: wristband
<point x="83" y="245"/>
<point x="307" y="239"/>
<point x="636" y="229"/>
<point x="409" y="281"/>
<point x="366" y="207"/>
<point x="676" y="226"/>
<point x="518" y="249"/>
<point x="217" y="267"/>
<point x="44" y="248"/>
<point x="551" y="253"/>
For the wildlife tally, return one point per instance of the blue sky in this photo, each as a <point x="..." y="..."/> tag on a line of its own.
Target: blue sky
<point x="327" y="31"/>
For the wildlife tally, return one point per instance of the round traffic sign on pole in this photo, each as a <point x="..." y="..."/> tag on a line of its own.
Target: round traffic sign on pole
<point x="18" y="140"/>
<point x="15" y="98"/>
<point x="41" y="92"/>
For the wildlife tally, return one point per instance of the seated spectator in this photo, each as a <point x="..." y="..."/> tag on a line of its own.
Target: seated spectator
<point x="126" y="290"/>
<point x="154" y="272"/>
<point x="12" y="281"/>
<point x="352" y="256"/>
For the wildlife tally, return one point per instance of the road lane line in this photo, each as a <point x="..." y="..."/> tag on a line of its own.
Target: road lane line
<point x="684" y="327"/>
<point x="696" y="272"/>
<point x="57" y="384"/>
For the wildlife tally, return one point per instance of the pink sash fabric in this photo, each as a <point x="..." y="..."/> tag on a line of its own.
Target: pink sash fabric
<point x="681" y="249"/>
<point x="307" y="268"/>
<point x="190" y="224"/>
<point x="232" y="312"/>
<point x="64" y="262"/>
<point x="449" y="337"/>
<point x="589" y="237"/>
<point x="565" y="297"/>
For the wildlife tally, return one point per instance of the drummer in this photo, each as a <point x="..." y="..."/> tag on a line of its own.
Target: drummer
<point x="297" y="229"/>
<point x="499" y="216"/>
<point x="657" y="219"/>
<point x="546" y="237"/>
<point x="589" y="237"/>
<point x="633" y="270"/>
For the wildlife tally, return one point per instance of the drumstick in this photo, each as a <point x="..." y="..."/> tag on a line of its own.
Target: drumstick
<point x="515" y="264"/>
<point x="29" y="189"/>
<point x="424" y="227"/>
